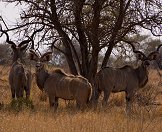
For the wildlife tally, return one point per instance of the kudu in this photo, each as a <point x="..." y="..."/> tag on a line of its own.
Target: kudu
<point x="19" y="77"/>
<point x="58" y="84"/>
<point x="126" y="78"/>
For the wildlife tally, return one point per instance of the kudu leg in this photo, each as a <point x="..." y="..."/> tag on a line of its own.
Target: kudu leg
<point x="105" y="99"/>
<point x="53" y="101"/>
<point x="97" y="94"/>
<point x="28" y="85"/>
<point x="13" y="92"/>
<point x="78" y="104"/>
<point x="95" y="97"/>
<point x="19" y="93"/>
<point x="129" y="102"/>
<point x="27" y="91"/>
<point x="82" y="102"/>
<point x="56" y="103"/>
<point x="82" y="106"/>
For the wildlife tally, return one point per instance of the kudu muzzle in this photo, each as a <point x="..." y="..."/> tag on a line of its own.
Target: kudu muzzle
<point x="146" y="63"/>
<point x="39" y="65"/>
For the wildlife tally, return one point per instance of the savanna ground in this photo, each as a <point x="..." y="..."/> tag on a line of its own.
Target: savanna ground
<point x="146" y="115"/>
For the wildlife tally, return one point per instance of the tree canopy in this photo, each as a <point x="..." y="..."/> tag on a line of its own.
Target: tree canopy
<point x="80" y="29"/>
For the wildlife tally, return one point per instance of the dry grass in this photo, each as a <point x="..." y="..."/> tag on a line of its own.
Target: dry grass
<point x="68" y="119"/>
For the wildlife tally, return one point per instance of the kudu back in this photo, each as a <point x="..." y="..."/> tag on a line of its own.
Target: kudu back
<point x="19" y="77"/>
<point x="57" y="84"/>
<point x="126" y="78"/>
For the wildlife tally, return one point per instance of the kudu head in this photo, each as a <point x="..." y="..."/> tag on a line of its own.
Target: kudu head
<point x="39" y="59"/>
<point x="19" y="50"/>
<point x="146" y="59"/>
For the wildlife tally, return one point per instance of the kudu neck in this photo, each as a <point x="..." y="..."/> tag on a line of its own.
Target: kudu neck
<point x="142" y="75"/>
<point x="41" y="76"/>
<point x="16" y="63"/>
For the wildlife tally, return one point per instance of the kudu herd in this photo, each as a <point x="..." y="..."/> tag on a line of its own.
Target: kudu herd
<point x="57" y="84"/>
<point x="19" y="77"/>
<point x="126" y="78"/>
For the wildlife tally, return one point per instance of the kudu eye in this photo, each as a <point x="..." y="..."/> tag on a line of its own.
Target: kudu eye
<point x="146" y="62"/>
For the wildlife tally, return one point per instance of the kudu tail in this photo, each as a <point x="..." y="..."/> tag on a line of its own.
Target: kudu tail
<point x="90" y="93"/>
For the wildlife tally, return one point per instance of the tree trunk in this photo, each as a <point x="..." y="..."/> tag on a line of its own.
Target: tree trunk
<point x="107" y="55"/>
<point x="117" y="27"/>
<point x="82" y="38"/>
<point x="93" y="66"/>
<point x="65" y="39"/>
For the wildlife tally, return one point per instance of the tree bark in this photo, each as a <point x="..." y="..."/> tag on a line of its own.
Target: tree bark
<point x="65" y="39"/>
<point x="107" y="55"/>
<point x="93" y="66"/>
<point x="117" y="27"/>
<point x="82" y="37"/>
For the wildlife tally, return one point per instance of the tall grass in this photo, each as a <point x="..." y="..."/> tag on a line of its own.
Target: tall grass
<point x="147" y="116"/>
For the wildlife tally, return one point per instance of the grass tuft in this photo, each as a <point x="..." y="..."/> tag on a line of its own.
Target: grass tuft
<point x="35" y="114"/>
<point x="21" y="104"/>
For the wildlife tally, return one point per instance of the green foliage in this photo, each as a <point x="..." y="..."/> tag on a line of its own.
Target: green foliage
<point x="20" y="104"/>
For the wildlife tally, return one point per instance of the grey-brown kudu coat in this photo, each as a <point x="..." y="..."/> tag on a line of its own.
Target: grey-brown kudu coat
<point x="19" y="80"/>
<point x="19" y="77"/>
<point x="57" y="84"/>
<point x="126" y="79"/>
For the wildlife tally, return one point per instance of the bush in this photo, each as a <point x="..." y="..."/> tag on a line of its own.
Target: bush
<point x="20" y="104"/>
<point x="146" y="96"/>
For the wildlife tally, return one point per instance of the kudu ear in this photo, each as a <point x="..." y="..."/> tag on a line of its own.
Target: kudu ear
<point x="13" y="46"/>
<point x="46" y="57"/>
<point x="140" y="56"/>
<point x="33" y="55"/>
<point x="153" y="55"/>
<point x="23" y="47"/>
